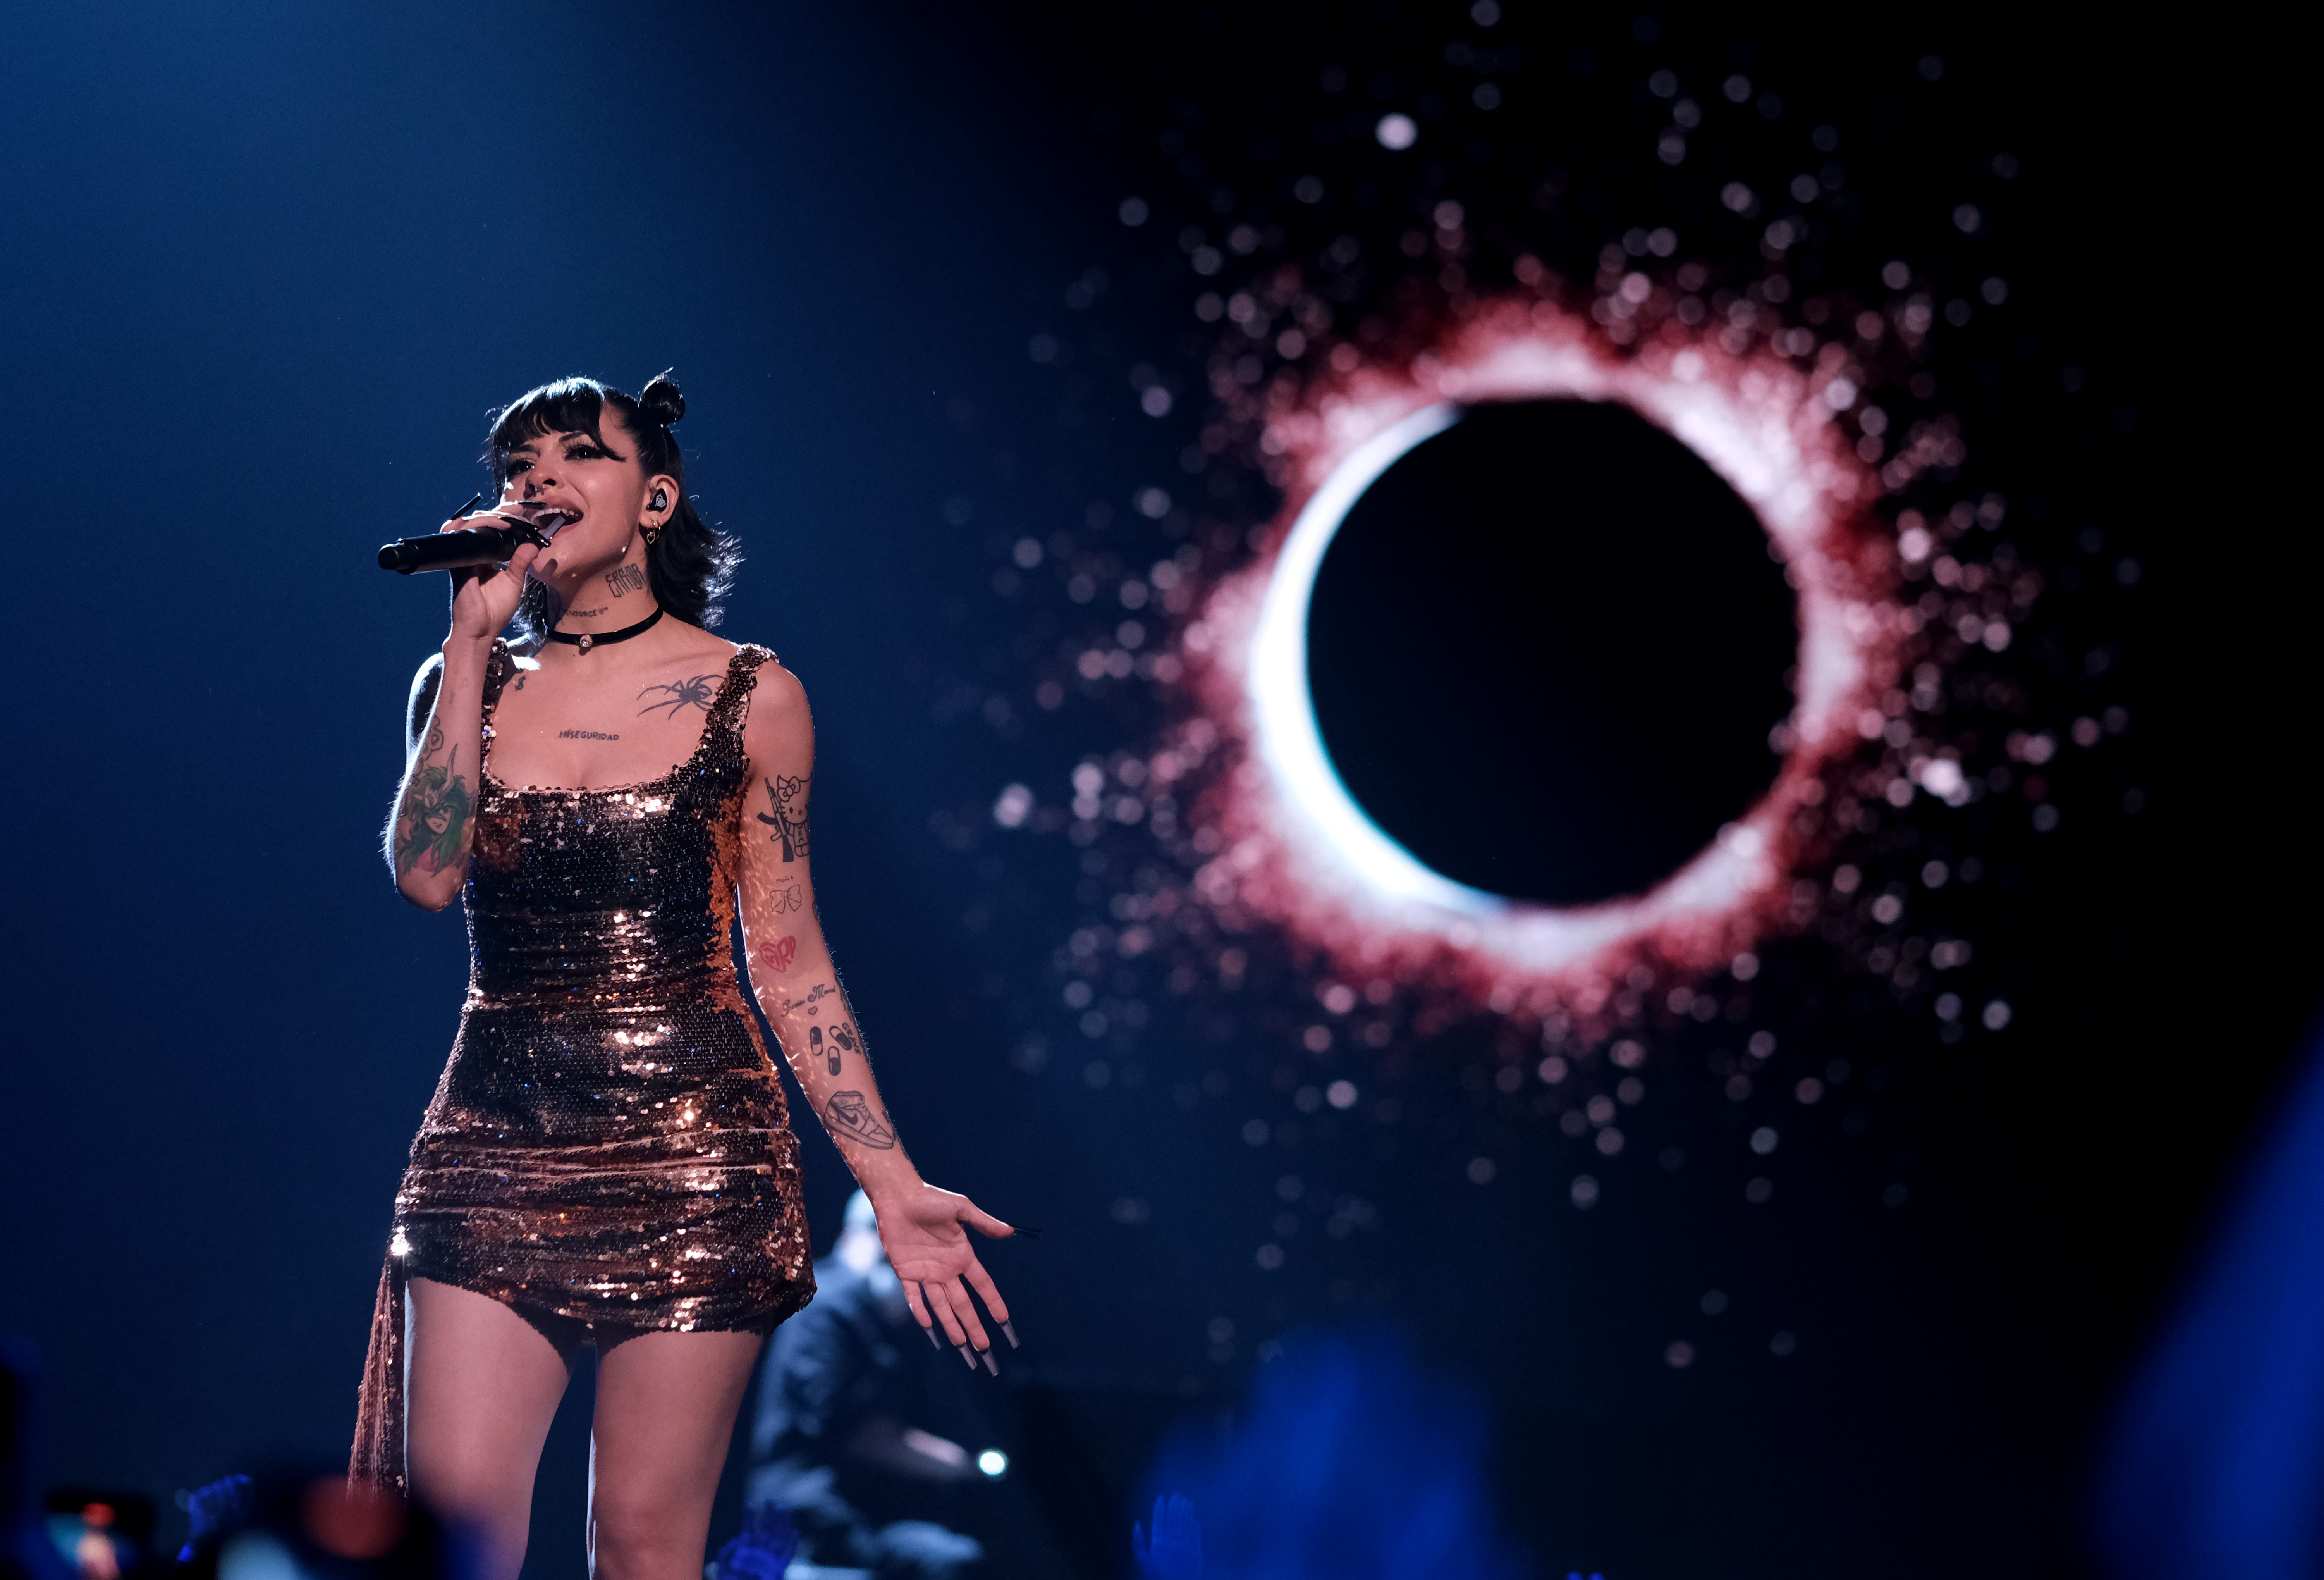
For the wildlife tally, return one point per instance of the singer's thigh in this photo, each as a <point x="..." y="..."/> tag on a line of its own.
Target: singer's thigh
<point x="665" y="1408"/>
<point x="481" y="1386"/>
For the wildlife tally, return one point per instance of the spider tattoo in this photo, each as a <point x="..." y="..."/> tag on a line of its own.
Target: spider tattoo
<point x="696" y="692"/>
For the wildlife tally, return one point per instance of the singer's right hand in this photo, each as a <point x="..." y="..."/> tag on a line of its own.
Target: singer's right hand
<point x="484" y="601"/>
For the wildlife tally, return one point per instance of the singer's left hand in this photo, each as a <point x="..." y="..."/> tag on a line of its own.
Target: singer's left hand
<point x="926" y="1233"/>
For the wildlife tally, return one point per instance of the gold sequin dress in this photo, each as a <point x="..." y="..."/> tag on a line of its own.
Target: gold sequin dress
<point x="610" y="1143"/>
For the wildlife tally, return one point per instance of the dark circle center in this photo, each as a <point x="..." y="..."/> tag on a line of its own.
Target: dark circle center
<point x="1546" y="648"/>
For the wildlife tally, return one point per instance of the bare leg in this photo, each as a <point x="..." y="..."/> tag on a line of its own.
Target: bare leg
<point x="481" y="1388"/>
<point x="665" y="1407"/>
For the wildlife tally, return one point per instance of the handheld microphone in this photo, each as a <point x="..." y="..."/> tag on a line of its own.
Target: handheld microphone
<point x="469" y="547"/>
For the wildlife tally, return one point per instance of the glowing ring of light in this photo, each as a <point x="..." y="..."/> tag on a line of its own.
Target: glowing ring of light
<point x="1305" y="854"/>
<point x="1290" y="738"/>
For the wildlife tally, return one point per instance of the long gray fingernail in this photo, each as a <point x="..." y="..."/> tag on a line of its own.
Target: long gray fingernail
<point x="1010" y="1334"/>
<point x="990" y="1364"/>
<point x="968" y="1359"/>
<point x="934" y="1343"/>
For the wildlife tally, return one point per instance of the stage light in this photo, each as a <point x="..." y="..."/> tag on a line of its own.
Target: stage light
<point x="1396" y="132"/>
<point x="256" y="1555"/>
<point x="993" y="1463"/>
<point x="1288" y="738"/>
<point x="1299" y="847"/>
<point x="941" y="1451"/>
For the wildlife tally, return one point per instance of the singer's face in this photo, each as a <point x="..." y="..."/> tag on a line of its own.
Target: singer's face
<point x="600" y="484"/>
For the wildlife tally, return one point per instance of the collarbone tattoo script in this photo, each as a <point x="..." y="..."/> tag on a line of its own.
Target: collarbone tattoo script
<point x="585" y="736"/>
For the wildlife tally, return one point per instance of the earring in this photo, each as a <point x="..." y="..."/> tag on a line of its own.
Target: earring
<point x="651" y="533"/>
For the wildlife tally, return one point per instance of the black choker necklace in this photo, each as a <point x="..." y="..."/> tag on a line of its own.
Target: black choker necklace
<point x="586" y="640"/>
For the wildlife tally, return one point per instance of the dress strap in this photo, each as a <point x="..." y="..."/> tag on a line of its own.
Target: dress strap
<point x="733" y="707"/>
<point x="498" y="668"/>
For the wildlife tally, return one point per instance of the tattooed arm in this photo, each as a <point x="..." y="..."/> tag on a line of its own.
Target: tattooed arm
<point x="428" y="837"/>
<point x="434" y="824"/>
<point x="792" y="974"/>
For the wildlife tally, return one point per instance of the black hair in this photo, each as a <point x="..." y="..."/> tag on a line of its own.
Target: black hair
<point x="690" y="564"/>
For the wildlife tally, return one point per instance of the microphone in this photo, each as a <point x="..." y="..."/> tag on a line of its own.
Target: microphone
<point x="471" y="546"/>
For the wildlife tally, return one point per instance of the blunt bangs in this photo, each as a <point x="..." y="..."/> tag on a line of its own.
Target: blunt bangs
<point x="689" y="564"/>
<point x="570" y="405"/>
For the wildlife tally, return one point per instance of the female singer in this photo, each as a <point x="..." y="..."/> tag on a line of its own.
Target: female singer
<point x="608" y="1158"/>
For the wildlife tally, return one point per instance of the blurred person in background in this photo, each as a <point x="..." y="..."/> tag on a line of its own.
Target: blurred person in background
<point x="844" y="1438"/>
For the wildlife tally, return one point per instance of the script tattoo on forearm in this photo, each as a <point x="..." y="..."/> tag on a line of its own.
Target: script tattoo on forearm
<point x="434" y="813"/>
<point x="694" y="692"/>
<point x="849" y="1114"/>
<point x="787" y="798"/>
<point x="809" y="999"/>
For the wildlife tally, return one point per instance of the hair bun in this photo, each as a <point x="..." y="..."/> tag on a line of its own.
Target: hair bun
<point x="660" y="402"/>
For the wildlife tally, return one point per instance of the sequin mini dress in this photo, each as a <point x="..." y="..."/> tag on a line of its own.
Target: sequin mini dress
<point x="609" y="1143"/>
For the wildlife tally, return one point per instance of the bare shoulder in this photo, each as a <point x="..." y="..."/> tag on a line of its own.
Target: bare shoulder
<point x="778" y="724"/>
